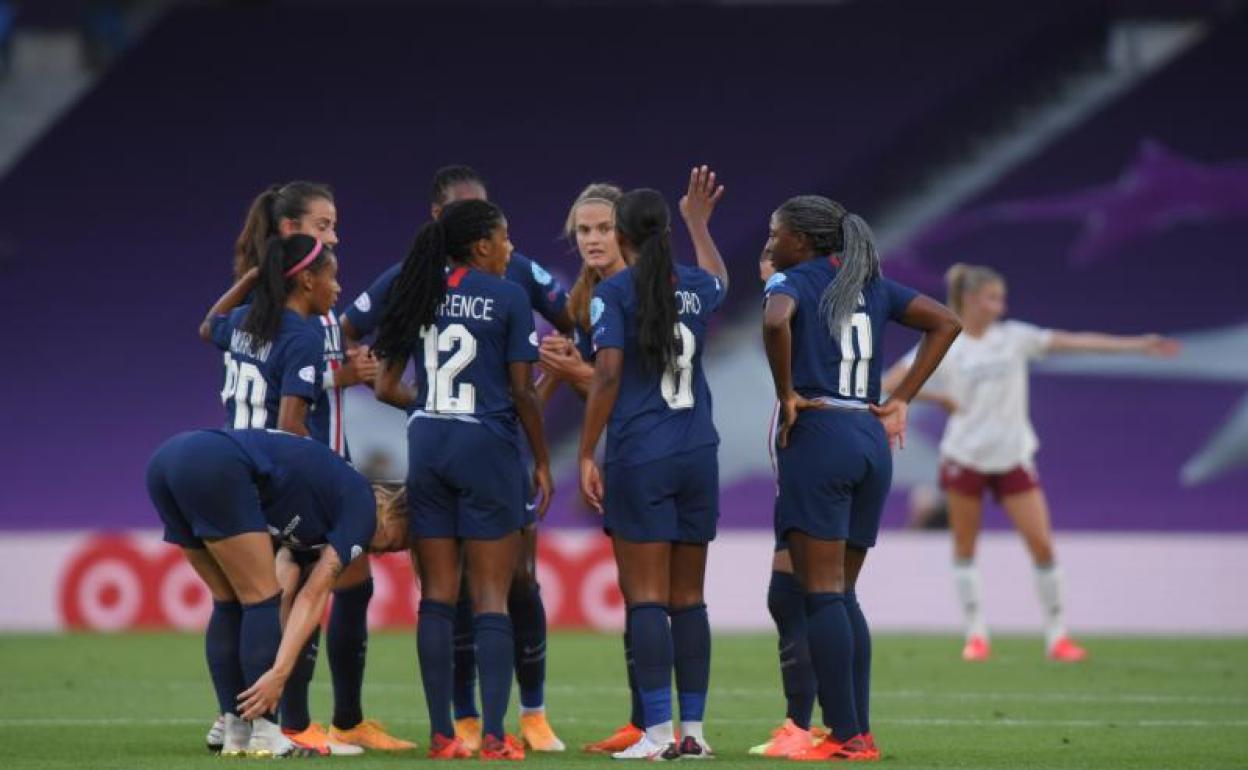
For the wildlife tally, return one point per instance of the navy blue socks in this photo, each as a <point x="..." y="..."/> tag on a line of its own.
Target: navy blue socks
<point x="435" y="647"/>
<point x="691" y="647"/>
<point x="862" y="661"/>
<point x="787" y="603"/>
<point x="465" y="694"/>
<point x="259" y="635"/>
<point x="221" y="650"/>
<point x="831" y="641"/>
<point x="496" y="646"/>
<point x="651" y="638"/>
<point x="528" y="619"/>
<point x="294" y="705"/>
<point x="636" y="718"/>
<point x="347" y="638"/>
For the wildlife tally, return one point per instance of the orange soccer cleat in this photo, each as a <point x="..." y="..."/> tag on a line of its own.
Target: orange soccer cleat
<point x="507" y="749"/>
<point x="976" y="649"/>
<point x="830" y="750"/>
<point x="537" y="734"/>
<point x="619" y="740"/>
<point x="370" y="734"/>
<point x="786" y="740"/>
<point x="442" y="747"/>
<point x="1064" y="650"/>
<point x="870" y="750"/>
<point x="468" y="731"/>
<point x="315" y="738"/>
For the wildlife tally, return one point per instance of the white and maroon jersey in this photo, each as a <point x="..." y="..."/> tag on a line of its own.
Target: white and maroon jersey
<point x="986" y="377"/>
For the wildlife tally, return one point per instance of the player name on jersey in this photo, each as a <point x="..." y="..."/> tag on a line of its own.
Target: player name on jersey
<point x="467" y="306"/>
<point x="242" y="342"/>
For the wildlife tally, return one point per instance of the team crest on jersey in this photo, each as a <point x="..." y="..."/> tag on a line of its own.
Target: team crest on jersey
<point x="363" y="303"/>
<point x="308" y="374"/>
<point x="775" y="281"/>
<point x="596" y="306"/>
<point x="539" y="274"/>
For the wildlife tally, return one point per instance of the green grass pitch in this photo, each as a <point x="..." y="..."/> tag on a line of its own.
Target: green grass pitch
<point x="143" y="701"/>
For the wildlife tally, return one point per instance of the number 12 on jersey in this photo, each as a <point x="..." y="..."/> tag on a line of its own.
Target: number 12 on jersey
<point x="445" y="396"/>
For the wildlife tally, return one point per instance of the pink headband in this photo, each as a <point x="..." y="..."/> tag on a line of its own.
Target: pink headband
<point x="301" y="264"/>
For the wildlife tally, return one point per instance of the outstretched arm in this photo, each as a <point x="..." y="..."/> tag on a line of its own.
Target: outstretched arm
<point x="1095" y="342"/>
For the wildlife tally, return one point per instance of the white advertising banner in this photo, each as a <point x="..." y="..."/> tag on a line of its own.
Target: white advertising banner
<point x="1114" y="583"/>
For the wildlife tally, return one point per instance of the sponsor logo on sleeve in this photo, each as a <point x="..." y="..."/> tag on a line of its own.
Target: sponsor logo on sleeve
<point x="539" y="274"/>
<point x="308" y="374"/>
<point x="533" y="338"/>
<point x="775" y="281"/>
<point x="356" y="552"/>
<point x="363" y="303"/>
<point x="596" y="307"/>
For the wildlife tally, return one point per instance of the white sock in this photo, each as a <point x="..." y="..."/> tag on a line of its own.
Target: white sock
<point x="693" y="729"/>
<point x="1049" y="589"/>
<point x="526" y="711"/>
<point x="966" y="581"/>
<point x="661" y="733"/>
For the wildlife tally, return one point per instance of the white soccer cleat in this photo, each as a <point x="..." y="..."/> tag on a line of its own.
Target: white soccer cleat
<point x="235" y="735"/>
<point x="216" y="735"/>
<point x="649" y="750"/>
<point x="267" y="742"/>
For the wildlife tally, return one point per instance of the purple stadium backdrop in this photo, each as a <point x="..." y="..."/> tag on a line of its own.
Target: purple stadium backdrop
<point x="115" y="231"/>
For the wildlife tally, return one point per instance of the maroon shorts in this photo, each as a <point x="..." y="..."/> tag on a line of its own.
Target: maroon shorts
<point x="970" y="482"/>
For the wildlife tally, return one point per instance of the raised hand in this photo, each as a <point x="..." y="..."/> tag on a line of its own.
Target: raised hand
<point x="698" y="203"/>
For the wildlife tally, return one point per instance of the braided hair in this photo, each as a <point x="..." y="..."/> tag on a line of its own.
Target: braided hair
<point x="421" y="284"/>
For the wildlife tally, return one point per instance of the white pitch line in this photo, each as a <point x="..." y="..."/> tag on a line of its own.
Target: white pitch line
<point x="19" y="722"/>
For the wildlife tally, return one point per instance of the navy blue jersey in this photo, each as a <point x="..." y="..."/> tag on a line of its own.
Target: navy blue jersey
<point x="325" y="418"/>
<point x="657" y="416"/>
<point x="257" y="376"/>
<point x="310" y="497"/>
<point x="847" y="368"/>
<point x="545" y="294"/>
<point x="484" y="324"/>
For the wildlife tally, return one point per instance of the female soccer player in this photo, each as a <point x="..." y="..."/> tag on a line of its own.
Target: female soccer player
<point x="472" y="333"/>
<point x="661" y="493"/>
<point x="989" y="443"/>
<point x="786" y="602"/>
<point x="309" y="209"/>
<point x="524" y="605"/>
<point x="825" y="312"/>
<point x="591" y="226"/>
<point x="220" y="494"/>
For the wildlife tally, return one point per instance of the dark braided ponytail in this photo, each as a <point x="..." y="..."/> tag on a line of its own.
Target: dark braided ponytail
<point x="421" y="284"/>
<point x="643" y="218"/>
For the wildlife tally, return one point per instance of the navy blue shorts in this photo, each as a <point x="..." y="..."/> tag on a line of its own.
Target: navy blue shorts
<point x="202" y="485"/>
<point x="834" y="477"/>
<point x="463" y="481"/>
<point x="673" y="500"/>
